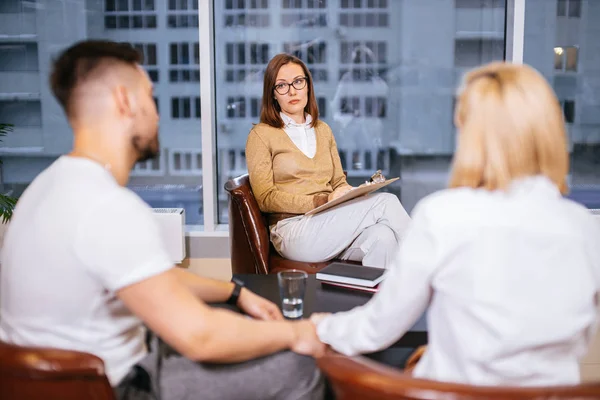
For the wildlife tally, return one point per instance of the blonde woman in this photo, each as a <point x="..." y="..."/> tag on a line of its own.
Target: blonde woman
<point x="507" y="268"/>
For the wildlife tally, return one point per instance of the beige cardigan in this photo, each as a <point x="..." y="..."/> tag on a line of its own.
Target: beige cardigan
<point x="283" y="178"/>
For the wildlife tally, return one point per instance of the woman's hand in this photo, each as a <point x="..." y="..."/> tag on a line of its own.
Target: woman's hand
<point x="319" y="199"/>
<point x="339" y="192"/>
<point x="316" y="318"/>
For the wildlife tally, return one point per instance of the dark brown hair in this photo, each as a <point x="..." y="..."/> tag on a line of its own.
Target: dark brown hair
<point x="79" y="61"/>
<point x="269" y="113"/>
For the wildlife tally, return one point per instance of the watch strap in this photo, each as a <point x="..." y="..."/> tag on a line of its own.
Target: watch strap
<point x="235" y="295"/>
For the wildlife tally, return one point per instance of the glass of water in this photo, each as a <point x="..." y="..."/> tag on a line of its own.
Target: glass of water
<point x="292" y="286"/>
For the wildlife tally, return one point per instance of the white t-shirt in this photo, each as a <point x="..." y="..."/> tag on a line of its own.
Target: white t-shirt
<point x="76" y="237"/>
<point x="510" y="279"/>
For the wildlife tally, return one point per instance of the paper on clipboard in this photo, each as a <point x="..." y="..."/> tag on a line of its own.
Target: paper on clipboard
<point x="352" y="194"/>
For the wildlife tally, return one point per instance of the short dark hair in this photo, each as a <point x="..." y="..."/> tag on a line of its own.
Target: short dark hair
<point x="77" y="62"/>
<point x="270" y="110"/>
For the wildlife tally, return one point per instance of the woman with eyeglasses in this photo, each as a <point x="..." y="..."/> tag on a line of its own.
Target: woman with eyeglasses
<point x="294" y="166"/>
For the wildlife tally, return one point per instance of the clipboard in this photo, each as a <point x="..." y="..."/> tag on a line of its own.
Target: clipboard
<point x="361" y="190"/>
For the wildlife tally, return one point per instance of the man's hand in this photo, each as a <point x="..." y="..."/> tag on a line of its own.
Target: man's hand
<point x="339" y="192"/>
<point x="306" y="341"/>
<point x="258" y="307"/>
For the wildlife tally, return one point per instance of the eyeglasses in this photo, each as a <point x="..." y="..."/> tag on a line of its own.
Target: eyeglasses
<point x="284" y="87"/>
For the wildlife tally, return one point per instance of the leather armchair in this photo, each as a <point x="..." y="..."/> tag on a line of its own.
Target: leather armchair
<point x="41" y="373"/>
<point x="360" y="378"/>
<point x="251" y="249"/>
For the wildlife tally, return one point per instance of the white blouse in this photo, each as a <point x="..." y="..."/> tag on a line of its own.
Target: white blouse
<point x="509" y="280"/>
<point x="303" y="135"/>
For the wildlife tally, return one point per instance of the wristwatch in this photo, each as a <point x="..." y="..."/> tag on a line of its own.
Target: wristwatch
<point x="237" y="289"/>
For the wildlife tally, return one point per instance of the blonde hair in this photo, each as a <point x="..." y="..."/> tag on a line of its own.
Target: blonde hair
<point x="511" y="125"/>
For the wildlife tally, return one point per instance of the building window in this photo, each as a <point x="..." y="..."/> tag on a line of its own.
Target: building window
<point x="479" y="4"/>
<point x="181" y="107"/>
<point x="568" y="107"/>
<point x="247" y="13"/>
<point x="322" y="103"/>
<point x="21" y="113"/>
<point x="182" y="14"/>
<point x="255" y="106"/>
<point x="236" y="107"/>
<point x="198" y="107"/>
<point x="314" y="55"/>
<point x="367" y="106"/>
<point x="129" y="14"/>
<point x="361" y="61"/>
<point x="364" y="14"/>
<point x="182" y="56"/>
<point x="469" y="53"/>
<point x="375" y="107"/>
<point x="245" y="61"/>
<point x="304" y="4"/>
<point x="294" y="13"/>
<point x="149" y="59"/>
<point x="568" y="8"/>
<point x="566" y="58"/>
<point x="248" y="20"/>
<point x="243" y="4"/>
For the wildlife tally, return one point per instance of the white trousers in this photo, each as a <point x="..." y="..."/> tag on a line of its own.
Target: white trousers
<point x="367" y="229"/>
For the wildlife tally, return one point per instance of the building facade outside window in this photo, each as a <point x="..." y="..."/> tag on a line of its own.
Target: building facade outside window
<point x="385" y="73"/>
<point x="567" y="53"/>
<point x="384" y="77"/>
<point x="33" y="32"/>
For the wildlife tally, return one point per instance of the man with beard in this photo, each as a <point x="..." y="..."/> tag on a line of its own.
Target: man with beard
<point x="84" y="268"/>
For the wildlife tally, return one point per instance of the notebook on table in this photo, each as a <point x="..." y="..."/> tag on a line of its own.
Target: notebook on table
<point x="349" y="274"/>
<point x="347" y="286"/>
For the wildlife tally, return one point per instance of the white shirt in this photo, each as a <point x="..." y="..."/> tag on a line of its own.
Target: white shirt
<point x="510" y="279"/>
<point x="303" y="135"/>
<point x="76" y="237"/>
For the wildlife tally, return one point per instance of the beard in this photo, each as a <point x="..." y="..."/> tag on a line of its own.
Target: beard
<point x="146" y="150"/>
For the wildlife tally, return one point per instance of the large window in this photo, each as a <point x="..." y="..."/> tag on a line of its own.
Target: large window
<point x="385" y="74"/>
<point x="33" y="32"/>
<point x="561" y="41"/>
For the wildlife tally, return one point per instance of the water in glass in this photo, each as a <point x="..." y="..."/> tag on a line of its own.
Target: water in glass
<point x="292" y="286"/>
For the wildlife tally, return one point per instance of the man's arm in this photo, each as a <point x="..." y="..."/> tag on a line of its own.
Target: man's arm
<point x="202" y="333"/>
<point x="208" y="290"/>
<point x="214" y="291"/>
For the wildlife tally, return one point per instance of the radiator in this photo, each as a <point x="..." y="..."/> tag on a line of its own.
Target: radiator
<point x="172" y="227"/>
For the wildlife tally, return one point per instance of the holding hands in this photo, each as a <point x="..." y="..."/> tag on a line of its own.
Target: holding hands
<point x="304" y="339"/>
<point x="307" y="341"/>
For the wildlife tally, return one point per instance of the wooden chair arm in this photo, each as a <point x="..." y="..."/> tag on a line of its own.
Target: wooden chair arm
<point x="361" y="378"/>
<point x="48" y="363"/>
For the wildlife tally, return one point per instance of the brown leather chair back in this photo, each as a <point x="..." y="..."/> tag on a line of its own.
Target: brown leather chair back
<point x="360" y="378"/>
<point x="248" y="232"/>
<point x="40" y="373"/>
